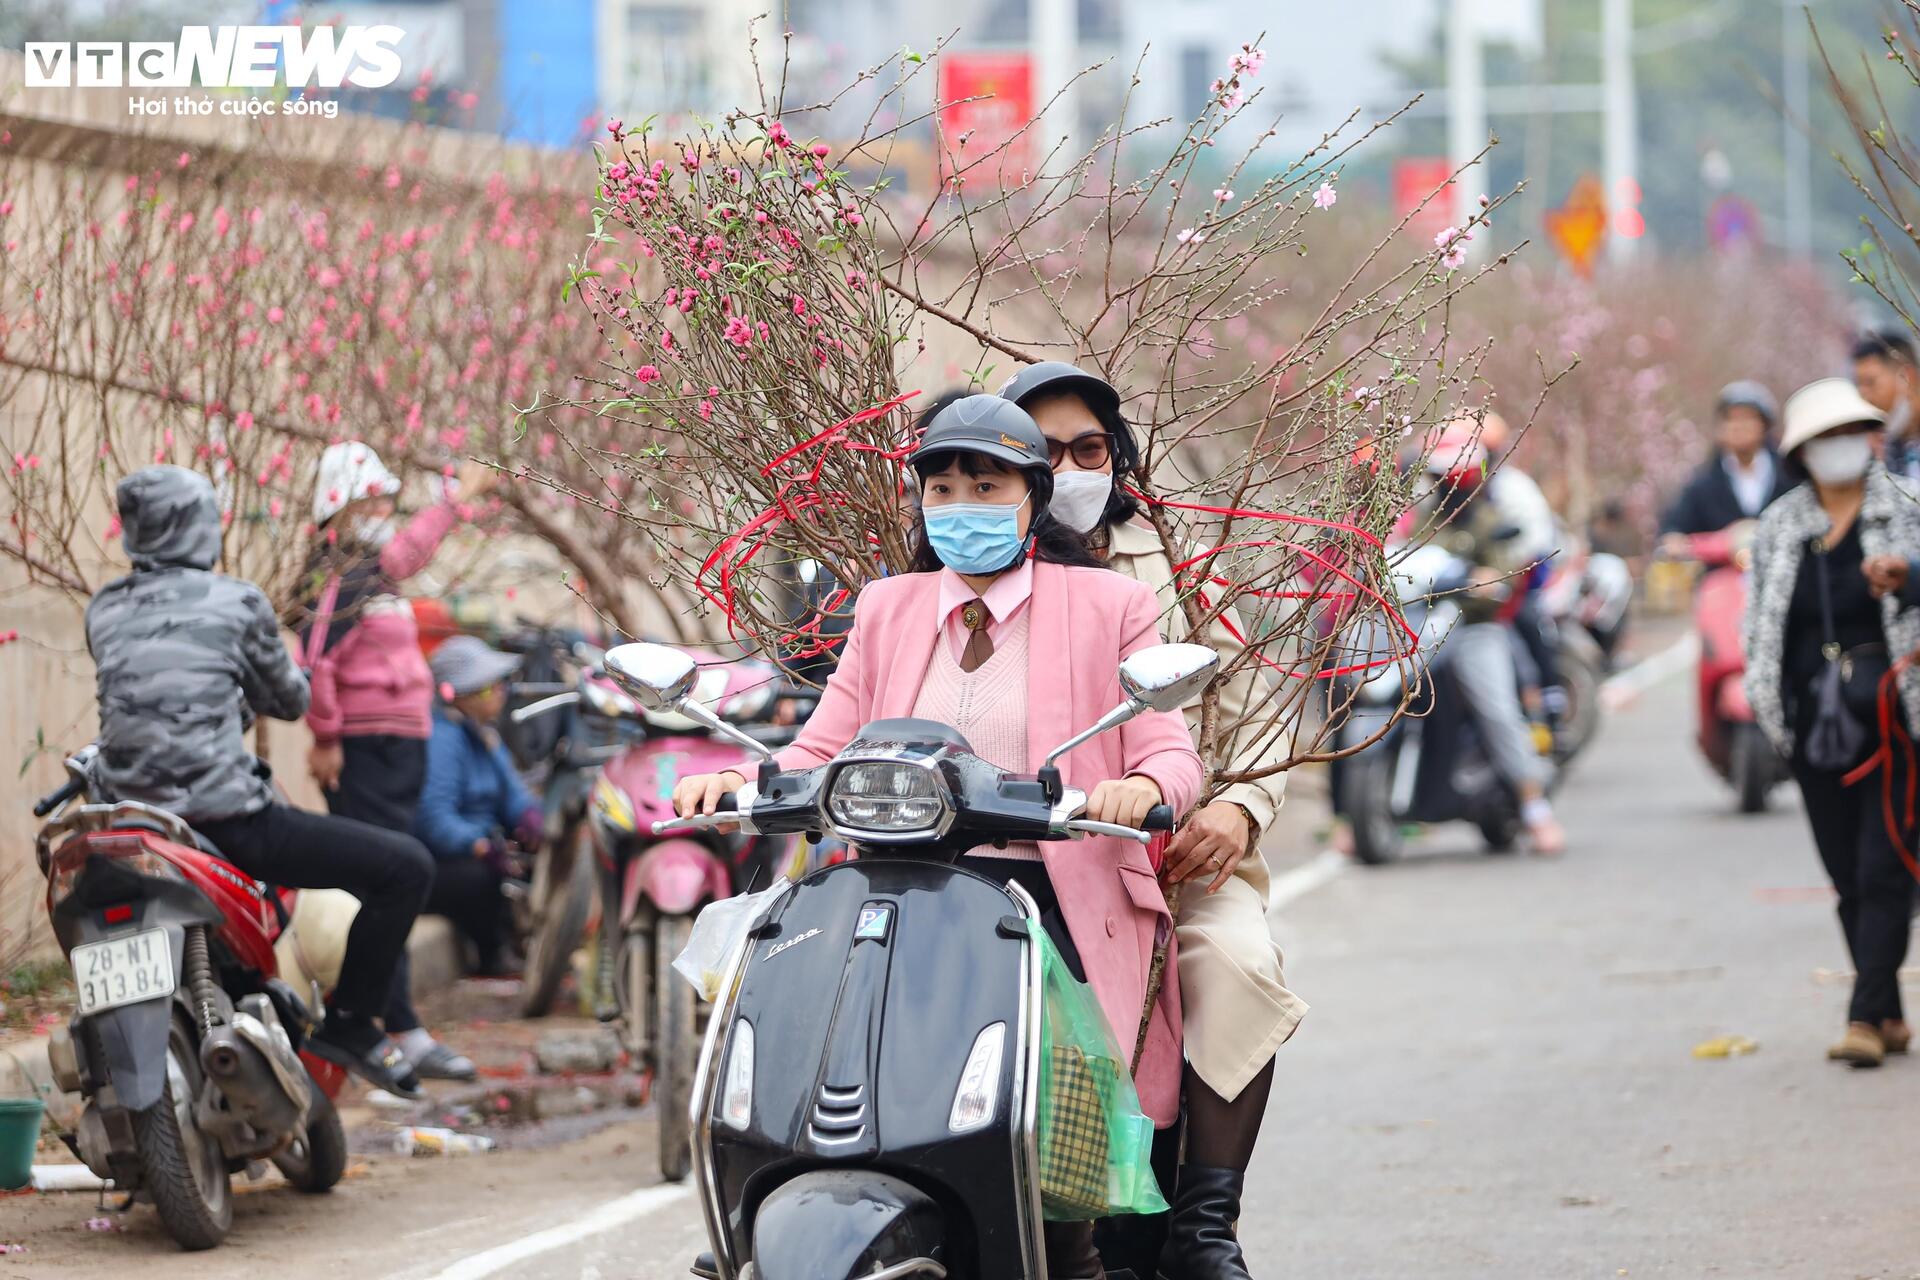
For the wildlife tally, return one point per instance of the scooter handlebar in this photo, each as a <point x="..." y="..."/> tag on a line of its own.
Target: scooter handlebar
<point x="53" y="800"/>
<point x="727" y="815"/>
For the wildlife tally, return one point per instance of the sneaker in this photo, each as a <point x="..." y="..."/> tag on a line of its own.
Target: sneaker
<point x="1860" y="1047"/>
<point x="366" y="1051"/>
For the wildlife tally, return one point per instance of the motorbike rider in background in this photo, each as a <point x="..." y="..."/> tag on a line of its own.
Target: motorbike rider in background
<point x="1236" y="1008"/>
<point x="185" y="659"/>
<point x="1739" y="480"/>
<point x="1885" y="370"/>
<point x="1474" y="527"/>
<point x="1527" y="510"/>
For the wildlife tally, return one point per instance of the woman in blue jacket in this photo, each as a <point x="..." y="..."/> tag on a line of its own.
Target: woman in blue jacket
<point x="473" y="798"/>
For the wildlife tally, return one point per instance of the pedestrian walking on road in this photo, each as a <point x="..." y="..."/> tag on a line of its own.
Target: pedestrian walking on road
<point x="1832" y="625"/>
<point x="372" y="708"/>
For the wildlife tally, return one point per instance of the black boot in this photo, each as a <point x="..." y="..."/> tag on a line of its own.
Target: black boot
<point x="1070" y="1251"/>
<point x="1201" y="1244"/>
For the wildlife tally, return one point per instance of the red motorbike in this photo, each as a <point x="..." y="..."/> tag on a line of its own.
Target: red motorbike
<point x="186" y="1044"/>
<point x="1729" y="738"/>
<point x="653" y="885"/>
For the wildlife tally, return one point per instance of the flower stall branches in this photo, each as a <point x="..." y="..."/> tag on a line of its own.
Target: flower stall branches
<point x="776" y="306"/>
<point x="1887" y="173"/>
<point x="236" y="309"/>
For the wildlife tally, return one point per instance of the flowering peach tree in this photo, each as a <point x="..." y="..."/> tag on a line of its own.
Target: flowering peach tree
<point x="235" y="311"/>
<point x="773" y="306"/>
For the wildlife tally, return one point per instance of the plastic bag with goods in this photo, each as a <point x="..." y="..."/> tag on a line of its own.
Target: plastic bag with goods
<point x="717" y="931"/>
<point x="1096" y="1145"/>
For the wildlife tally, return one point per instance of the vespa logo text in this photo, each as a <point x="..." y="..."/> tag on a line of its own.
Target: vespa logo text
<point x="223" y="58"/>
<point x="791" y="943"/>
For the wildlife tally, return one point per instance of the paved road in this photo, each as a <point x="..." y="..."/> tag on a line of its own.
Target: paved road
<point x="1496" y="1082"/>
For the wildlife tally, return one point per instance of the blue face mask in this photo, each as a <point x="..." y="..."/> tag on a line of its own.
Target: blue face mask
<point x="975" y="537"/>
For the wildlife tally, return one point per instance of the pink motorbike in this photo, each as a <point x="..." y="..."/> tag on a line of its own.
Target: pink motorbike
<point x="652" y="886"/>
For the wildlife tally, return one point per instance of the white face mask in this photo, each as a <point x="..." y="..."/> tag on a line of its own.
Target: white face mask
<point x="1901" y="417"/>
<point x="1080" y="498"/>
<point x="375" y="531"/>
<point x="1837" y="459"/>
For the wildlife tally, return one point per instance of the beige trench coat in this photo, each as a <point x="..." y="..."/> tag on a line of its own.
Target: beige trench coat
<point x="1238" y="1010"/>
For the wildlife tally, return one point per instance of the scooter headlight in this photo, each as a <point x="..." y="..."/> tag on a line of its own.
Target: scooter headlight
<point x="736" y="1087"/>
<point x="973" y="1101"/>
<point x="612" y="806"/>
<point x="887" y="796"/>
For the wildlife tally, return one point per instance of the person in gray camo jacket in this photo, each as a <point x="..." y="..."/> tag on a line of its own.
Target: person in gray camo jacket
<point x="185" y="659"/>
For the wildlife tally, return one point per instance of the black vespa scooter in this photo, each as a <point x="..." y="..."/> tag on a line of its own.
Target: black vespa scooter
<point x="867" y="1094"/>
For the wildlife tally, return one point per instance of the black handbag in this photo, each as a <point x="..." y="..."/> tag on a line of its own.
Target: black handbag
<point x="1836" y="740"/>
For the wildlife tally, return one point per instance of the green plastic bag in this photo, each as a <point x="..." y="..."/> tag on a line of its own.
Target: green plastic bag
<point x="1096" y="1145"/>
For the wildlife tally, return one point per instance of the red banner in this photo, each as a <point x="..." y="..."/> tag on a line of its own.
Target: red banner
<point x="985" y="98"/>
<point x="1416" y="178"/>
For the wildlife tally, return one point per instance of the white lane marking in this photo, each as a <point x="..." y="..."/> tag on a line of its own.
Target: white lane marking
<point x="1621" y="688"/>
<point x="614" y="1213"/>
<point x="1291" y="886"/>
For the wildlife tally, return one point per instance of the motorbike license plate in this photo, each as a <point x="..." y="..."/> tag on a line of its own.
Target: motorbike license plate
<point x="124" y="970"/>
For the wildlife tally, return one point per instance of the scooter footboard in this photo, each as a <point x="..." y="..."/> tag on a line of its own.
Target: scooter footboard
<point x="838" y="1224"/>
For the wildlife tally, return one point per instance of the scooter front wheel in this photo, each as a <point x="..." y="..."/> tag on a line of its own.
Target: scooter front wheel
<point x="1751" y="767"/>
<point x="181" y="1168"/>
<point x="562" y="894"/>
<point x="676" y="1048"/>
<point x="1366" y="786"/>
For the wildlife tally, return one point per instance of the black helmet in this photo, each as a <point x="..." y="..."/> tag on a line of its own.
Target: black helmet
<point x="997" y="428"/>
<point x="1747" y="394"/>
<point x="1053" y="377"/>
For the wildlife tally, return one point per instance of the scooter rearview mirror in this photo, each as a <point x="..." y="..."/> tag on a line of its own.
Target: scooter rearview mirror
<point x="655" y="676"/>
<point x="1161" y="678"/>
<point x="1167" y="676"/>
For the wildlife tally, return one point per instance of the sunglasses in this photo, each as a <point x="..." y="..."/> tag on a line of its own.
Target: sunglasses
<point x="1090" y="451"/>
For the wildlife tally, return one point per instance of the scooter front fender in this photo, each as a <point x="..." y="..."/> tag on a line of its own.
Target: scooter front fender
<point x="676" y="875"/>
<point x="834" y="1224"/>
<point x="1730" y="702"/>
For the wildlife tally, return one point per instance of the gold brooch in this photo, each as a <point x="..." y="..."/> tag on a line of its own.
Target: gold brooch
<point x="973" y="617"/>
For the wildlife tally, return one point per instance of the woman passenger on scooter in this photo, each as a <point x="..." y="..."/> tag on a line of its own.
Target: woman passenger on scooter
<point x="1237" y="1009"/>
<point x="1008" y="630"/>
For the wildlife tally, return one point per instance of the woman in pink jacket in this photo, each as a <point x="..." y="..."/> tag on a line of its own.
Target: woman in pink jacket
<point x="1009" y="631"/>
<point x="372" y="708"/>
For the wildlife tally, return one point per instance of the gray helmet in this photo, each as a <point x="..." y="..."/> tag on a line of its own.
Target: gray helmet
<point x="1056" y="376"/>
<point x="999" y="429"/>
<point x="1747" y="394"/>
<point x="1052" y="377"/>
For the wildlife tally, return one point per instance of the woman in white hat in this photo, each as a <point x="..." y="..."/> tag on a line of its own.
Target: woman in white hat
<point x="372" y="709"/>
<point x="1834" y="606"/>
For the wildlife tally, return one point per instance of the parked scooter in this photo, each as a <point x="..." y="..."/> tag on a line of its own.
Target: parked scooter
<point x="652" y="884"/>
<point x="1729" y="738"/>
<point x="185" y="1043"/>
<point x="1428" y="764"/>
<point x="867" y="1096"/>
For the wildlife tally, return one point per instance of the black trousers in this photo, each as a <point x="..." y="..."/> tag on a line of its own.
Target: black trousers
<point x="1876" y="889"/>
<point x="380" y="780"/>
<point x="387" y="871"/>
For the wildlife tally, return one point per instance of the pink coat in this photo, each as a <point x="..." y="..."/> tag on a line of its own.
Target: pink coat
<point x="1083" y="622"/>
<point x="375" y="681"/>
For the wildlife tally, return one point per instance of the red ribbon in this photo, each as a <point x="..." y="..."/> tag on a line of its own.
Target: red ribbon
<point x="1893" y="734"/>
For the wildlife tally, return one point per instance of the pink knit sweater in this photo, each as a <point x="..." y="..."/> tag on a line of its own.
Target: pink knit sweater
<point x="988" y="707"/>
